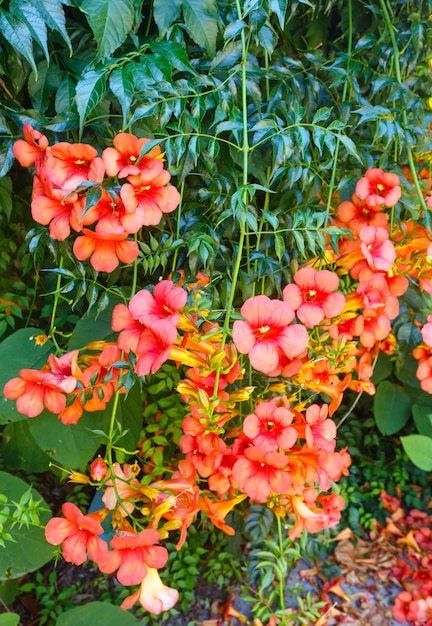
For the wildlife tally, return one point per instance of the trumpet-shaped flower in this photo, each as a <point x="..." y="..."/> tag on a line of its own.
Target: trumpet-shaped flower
<point x="153" y="595"/>
<point x="269" y="427"/>
<point x="320" y="431"/>
<point x="32" y="148"/>
<point x="164" y="304"/>
<point x="314" y="296"/>
<point x="152" y="195"/>
<point x="377" y="249"/>
<point x="33" y="390"/>
<point x="67" y="165"/>
<point x="123" y="160"/>
<point x="154" y="347"/>
<point x="78" y="533"/>
<point x="52" y="206"/>
<point x="377" y="187"/>
<point x="260" y="474"/>
<point x="105" y="251"/>
<point x="132" y="555"/>
<point x="265" y="333"/>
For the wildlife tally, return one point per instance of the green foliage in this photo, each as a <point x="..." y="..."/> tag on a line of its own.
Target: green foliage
<point x="24" y="513"/>
<point x="97" y="613"/>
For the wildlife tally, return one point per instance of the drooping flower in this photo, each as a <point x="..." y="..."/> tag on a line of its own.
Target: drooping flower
<point x="378" y="250"/>
<point x="105" y="251"/>
<point x="266" y="333"/>
<point x="320" y="431"/>
<point x="78" y="533"/>
<point x="34" y="391"/>
<point x="154" y="345"/>
<point x="132" y="555"/>
<point x="31" y="149"/>
<point x="269" y="427"/>
<point x="378" y="187"/>
<point x="314" y="296"/>
<point x="153" y="595"/>
<point x="165" y="302"/>
<point x="260" y="474"/>
<point x="217" y="511"/>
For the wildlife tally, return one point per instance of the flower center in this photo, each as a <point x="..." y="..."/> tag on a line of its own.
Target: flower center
<point x="380" y="187"/>
<point x="132" y="158"/>
<point x="80" y="162"/>
<point x="310" y="295"/>
<point x="261" y="331"/>
<point x="269" y="426"/>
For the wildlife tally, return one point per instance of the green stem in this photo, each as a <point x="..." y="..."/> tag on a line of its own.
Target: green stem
<point x="281" y="554"/>
<point x="398" y="73"/>
<point x="179" y="213"/>
<point x="135" y="271"/>
<point x="56" y="301"/>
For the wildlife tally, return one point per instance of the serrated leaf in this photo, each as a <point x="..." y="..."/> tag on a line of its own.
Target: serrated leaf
<point x="121" y="84"/>
<point x="111" y="21"/>
<point x="200" y="18"/>
<point x="53" y="14"/>
<point x="279" y="7"/>
<point x="165" y="13"/>
<point x="28" y="13"/>
<point x="90" y="90"/>
<point x="19" y="36"/>
<point x="175" y="53"/>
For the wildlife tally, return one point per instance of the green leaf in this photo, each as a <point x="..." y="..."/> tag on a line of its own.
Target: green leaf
<point x="9" y="619"/>
<point x="42" y="86"/>
<point x="175" y="53"/>
<point x="423" y="419"/>
<point x="20" y="450"/>
<point x="200" y="18"/>
<point x="96" y="614"/>
<point x="18" y="35"/>
<point x="73" y="445"/>
<point x="165" y="13"/>
<point x="6" y="157"/>
<point x="419" y="450"/>
<point x="28" y="13"/>
<point x="19" y="351"/>
<point x="111" y="21"/>
<point x="90" y="90"/>
<point x="121" y="84"/>
<point x="279" y="7"/>
<point x="93" y="325"/>
<point x="392" y="408"/>
<point x="30" y="549"/>
<point x="53" y="14"/>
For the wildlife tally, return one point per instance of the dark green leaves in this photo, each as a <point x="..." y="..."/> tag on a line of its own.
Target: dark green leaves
<point x="200" y="18"/>
<point x="111" y="21"/>
<point x="392" y="408"/>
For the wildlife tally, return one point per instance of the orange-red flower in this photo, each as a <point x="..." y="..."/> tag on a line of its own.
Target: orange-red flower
<point x="32" y="148"/>
<point x="152" y="594"/>
<point x="78" y="533"/>
<point x="378" y="187"/>
<point x="151" y="194"/>
<point x="34" y="391"/>
<point x="67" y="165"/>
<point x="260" y="474"/>
<point x="314" y="296"/>
<point x="122" y="160"/>
<point x="105" y="251"/>
<point x="265" y="333"/>
<point x="269" y="427"/>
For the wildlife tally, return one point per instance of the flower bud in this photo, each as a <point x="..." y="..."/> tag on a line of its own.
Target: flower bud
<point x="98" y="469"/>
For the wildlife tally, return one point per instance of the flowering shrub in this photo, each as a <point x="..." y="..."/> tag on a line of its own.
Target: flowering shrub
<point x="239" y="440"/>
<point x="200" y="343"/>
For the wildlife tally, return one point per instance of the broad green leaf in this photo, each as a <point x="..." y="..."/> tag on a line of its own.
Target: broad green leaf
<point x="90" y="90"/>
<point x="129" y="415"/>
<point x="72" y="446"/>
<point x="422" y="415"/>
<point x="392" y="408"/>
<point x="96" y="614"/>
<point x="383" y="368"/>
<point x="64" y="95"/>
<point x="93" y="326"/>
<point x="419" y="450"/>
<point x="20" y="450"/>
<point x="19" y="351"/>
<point x="165" y="13"/>
<point x="18" y="35"/>
<point x="121" y="84"/>
<point x="200" y="18"/>
<point x="53" y="14"/>
<point x="9" y="619"/>
<point x="28" y="13"/>
<point x="30" y="549"/>
<point x="111" y="21"/>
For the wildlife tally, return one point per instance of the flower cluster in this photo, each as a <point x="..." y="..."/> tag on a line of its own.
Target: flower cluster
<point x="270" y="439"/>
<point x="65" y="172"/>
